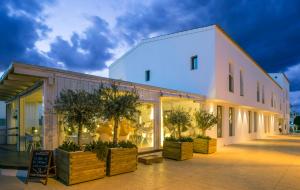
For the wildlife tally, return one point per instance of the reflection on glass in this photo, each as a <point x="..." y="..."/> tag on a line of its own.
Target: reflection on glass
<point x="140" y="131"/>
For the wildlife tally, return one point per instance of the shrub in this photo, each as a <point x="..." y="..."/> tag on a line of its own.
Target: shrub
<point x="69" y="146"/>
<point x="182" y="139"/>
<point x="98" y="147"/>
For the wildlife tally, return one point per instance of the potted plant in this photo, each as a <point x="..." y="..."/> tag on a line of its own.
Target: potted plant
<point x="204" y="121"/>
<point x="75" y="166"/>
<point x="177" y="147"/>
<point x="77" y="110"/>
<point x="117" y="106"/>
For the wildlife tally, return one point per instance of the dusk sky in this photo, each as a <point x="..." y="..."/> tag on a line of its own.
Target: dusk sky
<point x="88" y="35"/>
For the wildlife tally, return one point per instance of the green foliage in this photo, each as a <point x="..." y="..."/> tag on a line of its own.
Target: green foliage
<point x="69" y="146"/>
<point x="182" y="139"/>
<point x="297" y="121"/>
<point x="118" y="105"/>
<point x="99" y="147"/>
<point x="177" y="119"/>
<point x="205" y="120"/>
<point x="203" y="137"/>
<point x="78" y="109"/>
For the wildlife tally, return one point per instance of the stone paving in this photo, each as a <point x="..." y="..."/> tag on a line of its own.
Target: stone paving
<point x="272" y="163"/>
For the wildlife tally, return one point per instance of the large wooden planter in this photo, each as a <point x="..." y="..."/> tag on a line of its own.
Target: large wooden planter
<point x="178" y="150"/>
<point x="77" y="167"/>
<point x="121" y="160"/>
<point x="205" y="146"/>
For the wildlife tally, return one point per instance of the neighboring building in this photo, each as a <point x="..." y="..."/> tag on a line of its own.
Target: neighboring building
<point x="249" y="102"/>
<point x="30" y="92"/>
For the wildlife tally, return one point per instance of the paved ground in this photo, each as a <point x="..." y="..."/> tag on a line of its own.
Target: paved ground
<point x="272" y="163"/>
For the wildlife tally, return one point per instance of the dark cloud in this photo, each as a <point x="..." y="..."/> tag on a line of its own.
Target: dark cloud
<point x="89" y="52"/>
<point x="267" y="30"/>
<point x="19" y="31"/>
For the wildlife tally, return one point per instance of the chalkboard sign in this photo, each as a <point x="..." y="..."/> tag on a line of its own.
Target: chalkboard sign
<point x="41" y="162"/>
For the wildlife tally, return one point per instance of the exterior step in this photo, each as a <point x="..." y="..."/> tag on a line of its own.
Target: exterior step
<point x="150" y="159"/>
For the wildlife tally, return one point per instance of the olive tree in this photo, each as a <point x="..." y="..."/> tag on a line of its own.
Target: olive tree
<point x="179" y="119"/>
<point x="78" y="110"/>
<point x="204" y="120"/>
<point x="118" y="105"/>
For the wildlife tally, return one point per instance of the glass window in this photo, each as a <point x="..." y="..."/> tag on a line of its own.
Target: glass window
<point x="241" y="83"/>
<point x="194" y="63"/>
<point x="147" y="75"/>
<point x="249" y="123"/>
<point x="231" y="79"/>
<point x="220" y="121"/>
<point x="231" y="122"/>
<point x="263" y="94"/>
<point x="255" y="121"/>
<point x="142" y="133"/>
<point x="257" y="92"/>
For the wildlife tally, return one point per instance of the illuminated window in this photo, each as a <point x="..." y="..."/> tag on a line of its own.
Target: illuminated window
<point x="250" y="123"/>
<point x="255" y="121"/>
<point x="194" y="63"/>
<point x="220" y="121"/>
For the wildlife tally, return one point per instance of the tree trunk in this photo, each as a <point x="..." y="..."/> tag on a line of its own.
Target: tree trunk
<point x="116" y="125"/>
<point x="79" y="135"/>
<point x="204" y="132"/>
<point x="179" y="131"/>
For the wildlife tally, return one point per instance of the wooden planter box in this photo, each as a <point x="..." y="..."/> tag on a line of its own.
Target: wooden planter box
<point x="178" y="150"/>
<point x="77" y="167"/>
<point x="121" y="160"/>
<point x="205" y="146"/>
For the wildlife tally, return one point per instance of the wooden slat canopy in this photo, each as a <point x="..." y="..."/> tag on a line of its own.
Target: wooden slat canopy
<point x="12" y="84"/>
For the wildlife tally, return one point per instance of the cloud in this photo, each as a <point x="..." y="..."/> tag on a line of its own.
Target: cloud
<point x="88" y="52"/>
<point x="293" y="73"/>
<point x="268" y="30"/>
<point x="295" y="100"/>
<point x="20" y="27"/>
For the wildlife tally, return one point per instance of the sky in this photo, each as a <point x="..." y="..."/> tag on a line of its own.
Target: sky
<point x="87" y="36"/>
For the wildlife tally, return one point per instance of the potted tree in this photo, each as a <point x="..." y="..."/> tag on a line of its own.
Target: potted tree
<point x="204" y="121"/>
<point x="177" y="147"/>
<point x="119" y="105"/>
<point x="77" y="109"/>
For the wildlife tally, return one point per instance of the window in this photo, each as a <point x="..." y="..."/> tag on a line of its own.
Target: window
<point x="249" y="122"/>
<point x="255" y="121"/>
<point x="257" y="92"/>
<point x="194" y="63"/>
<point x="241" y="83"/>
<point x="272" y="100"/>
<point x="147" y="75"/>
<point x="263" y="94"/>
<point x="220" y="121"/>
<point x="231" y="121"/>
<point x="231" y="79"/>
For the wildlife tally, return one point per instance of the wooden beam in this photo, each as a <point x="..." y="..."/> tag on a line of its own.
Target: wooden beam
<point x="17" y="83"/>
<point x="22" y="78"/>
<point x="10" y="90"/>
<point x="8" y="93"/>
<point x="9" y="87"/>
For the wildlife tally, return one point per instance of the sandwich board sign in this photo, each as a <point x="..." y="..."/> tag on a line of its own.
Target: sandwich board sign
<point x="41" y="162"/>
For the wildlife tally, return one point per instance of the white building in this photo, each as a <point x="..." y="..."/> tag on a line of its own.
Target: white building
<point x="249" y="102"/>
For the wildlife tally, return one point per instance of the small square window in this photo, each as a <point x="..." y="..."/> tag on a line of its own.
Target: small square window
<point x="194" y="63"/>
<point x="147" y="75"/>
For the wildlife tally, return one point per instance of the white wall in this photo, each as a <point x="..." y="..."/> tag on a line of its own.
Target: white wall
<point x="227" y="52"/>
<point x="168" y="58"/>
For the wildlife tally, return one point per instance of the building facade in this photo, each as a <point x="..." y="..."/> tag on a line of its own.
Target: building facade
<point x="249" y="102"/>
<point x="30" y="93"/>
